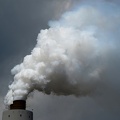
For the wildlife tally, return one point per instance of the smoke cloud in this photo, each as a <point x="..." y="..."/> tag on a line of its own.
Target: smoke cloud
<point x="72" y="56"/>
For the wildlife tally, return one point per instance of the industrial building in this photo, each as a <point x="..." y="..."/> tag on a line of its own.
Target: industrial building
<point x="17" y="111"/>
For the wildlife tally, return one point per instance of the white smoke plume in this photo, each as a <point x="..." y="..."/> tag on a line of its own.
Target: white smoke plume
<point x="70" y="57"/>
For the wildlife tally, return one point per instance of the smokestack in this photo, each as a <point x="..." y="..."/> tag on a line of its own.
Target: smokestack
<point x="18" y="104"/>
<point x="18" y="111"/>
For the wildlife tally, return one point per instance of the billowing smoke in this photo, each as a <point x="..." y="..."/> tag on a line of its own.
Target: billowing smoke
<point x="71" y="57"/>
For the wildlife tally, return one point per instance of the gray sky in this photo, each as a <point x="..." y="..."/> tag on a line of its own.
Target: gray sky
<point x="20" y="23"/>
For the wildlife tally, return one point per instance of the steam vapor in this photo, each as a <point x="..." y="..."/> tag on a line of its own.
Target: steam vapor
<point x="71" y="56"/>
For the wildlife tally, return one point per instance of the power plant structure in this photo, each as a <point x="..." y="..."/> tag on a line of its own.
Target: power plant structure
<point x="17" y="111"/>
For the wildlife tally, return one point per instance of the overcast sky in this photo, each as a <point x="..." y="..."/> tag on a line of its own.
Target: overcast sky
<point x="20" y="23"/>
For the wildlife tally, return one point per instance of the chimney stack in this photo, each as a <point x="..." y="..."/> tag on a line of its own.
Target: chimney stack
<point x="18" y="104"/>
<point x="18" y="111"/>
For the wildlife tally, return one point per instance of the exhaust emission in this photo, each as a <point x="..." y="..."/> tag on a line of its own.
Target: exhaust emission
<point x="78" y="55"/>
